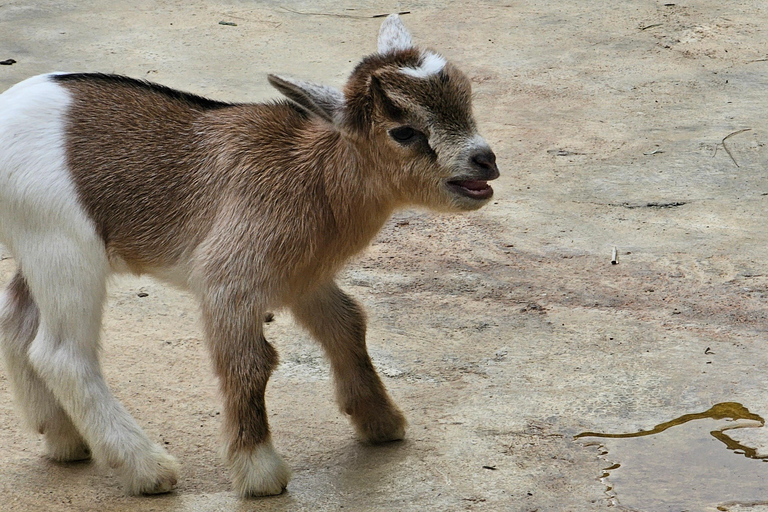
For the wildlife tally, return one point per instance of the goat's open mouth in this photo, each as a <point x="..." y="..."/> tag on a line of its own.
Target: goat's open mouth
<point x="474" y="189"/>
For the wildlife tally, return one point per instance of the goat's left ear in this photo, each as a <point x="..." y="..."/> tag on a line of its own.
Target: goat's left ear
<point x="393" y="36"/>
<point x="326" y="102"/>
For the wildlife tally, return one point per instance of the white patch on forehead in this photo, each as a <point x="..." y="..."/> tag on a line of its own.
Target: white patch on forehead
<point x="431" y="64"/>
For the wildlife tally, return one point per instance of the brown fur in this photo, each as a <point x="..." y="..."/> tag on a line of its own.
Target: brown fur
<point x="338" y="322"/>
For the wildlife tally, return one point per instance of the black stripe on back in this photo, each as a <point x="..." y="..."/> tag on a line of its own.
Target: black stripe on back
<point x="188" y="98"/>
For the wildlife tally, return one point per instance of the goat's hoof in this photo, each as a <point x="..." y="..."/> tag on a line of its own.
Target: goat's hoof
<point x="66" y="447"/>
<point x="74" y="453"/>
<point x="259" y="472"/>
<point x="383" y="428"/>
<point x="161" y="486"/>
<point x="157" y="474"/>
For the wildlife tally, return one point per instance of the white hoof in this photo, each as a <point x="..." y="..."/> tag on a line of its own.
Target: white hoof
<point x="259" y="472"/>
<point x="156" y="473"/>
<point x="71" y="451"/>
<point x="65" y="444"/>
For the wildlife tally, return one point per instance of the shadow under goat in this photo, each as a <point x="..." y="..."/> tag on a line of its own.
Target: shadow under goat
<point x="251" y="207"/>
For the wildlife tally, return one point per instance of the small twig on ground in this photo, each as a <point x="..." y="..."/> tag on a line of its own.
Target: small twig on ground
<point x="757" y="60"/>
<point x="385" y="15"/>
<point x="243" y="15"/>
<point x="564" y="152"/>
<point x="651" y="26"/>
<point x="722" y="143"/>
<point x="304" y="13"/>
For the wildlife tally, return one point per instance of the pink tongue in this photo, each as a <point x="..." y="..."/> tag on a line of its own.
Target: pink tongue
<point x="474" y="185"/>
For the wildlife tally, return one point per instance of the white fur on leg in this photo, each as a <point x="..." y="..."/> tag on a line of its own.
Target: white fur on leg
<point x="42" y="412"/>
<point x="259" y="472"/>
<point x="113" y="435"/>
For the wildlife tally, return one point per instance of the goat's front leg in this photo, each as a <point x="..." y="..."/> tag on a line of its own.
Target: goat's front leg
<point x="243" y="361"/>
<point x="338" y="323"/>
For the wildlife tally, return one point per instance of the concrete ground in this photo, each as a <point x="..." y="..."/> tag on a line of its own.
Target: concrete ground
<point x="639" y="125"/>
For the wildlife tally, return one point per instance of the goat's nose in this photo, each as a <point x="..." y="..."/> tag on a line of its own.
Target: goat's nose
<point x="486" y="162"/>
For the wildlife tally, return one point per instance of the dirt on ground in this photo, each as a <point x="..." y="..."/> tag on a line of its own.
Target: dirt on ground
<point x="502" y="334"/>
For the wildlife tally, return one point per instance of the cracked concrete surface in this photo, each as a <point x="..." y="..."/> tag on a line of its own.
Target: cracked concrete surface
<point x="501" y="334"/>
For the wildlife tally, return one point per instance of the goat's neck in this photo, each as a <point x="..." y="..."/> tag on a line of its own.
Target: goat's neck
<point x="360" y="197"/>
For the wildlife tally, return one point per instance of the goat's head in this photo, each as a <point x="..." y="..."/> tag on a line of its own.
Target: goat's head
<point x="412" y="110"/>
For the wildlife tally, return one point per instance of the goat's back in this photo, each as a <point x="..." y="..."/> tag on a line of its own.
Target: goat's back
<point x="151" y="167"/>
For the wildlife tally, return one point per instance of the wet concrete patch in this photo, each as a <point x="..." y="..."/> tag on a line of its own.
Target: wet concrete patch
<point x="688" y="463"/>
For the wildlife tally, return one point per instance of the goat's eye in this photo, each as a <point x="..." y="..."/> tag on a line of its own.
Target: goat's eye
<point x="403" y="134"/>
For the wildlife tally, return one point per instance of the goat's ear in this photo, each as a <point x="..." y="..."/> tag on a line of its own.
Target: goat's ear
<point x="393" y="36"/>
<point x="382" y="100"/>
<point x="326" y="102"/>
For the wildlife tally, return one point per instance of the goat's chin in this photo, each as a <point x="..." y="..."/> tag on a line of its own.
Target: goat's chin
<point x="469" y="205"/>
<point x="459" y="199"/>
<point x="453" y="203"/>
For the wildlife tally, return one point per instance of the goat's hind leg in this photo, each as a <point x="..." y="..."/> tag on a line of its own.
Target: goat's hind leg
<point x="19" y="322"/>
<point x="68" y="283"/>
<point x="338" y="323"/>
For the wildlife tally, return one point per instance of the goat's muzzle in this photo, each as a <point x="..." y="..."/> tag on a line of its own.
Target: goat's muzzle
<point x="475" y="186"/>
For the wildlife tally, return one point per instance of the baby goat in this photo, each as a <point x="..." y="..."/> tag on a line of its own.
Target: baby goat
<point x="250" y="207"/>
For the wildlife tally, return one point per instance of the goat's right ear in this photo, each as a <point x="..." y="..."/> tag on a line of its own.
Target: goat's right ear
<point x="326" y="102"/>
